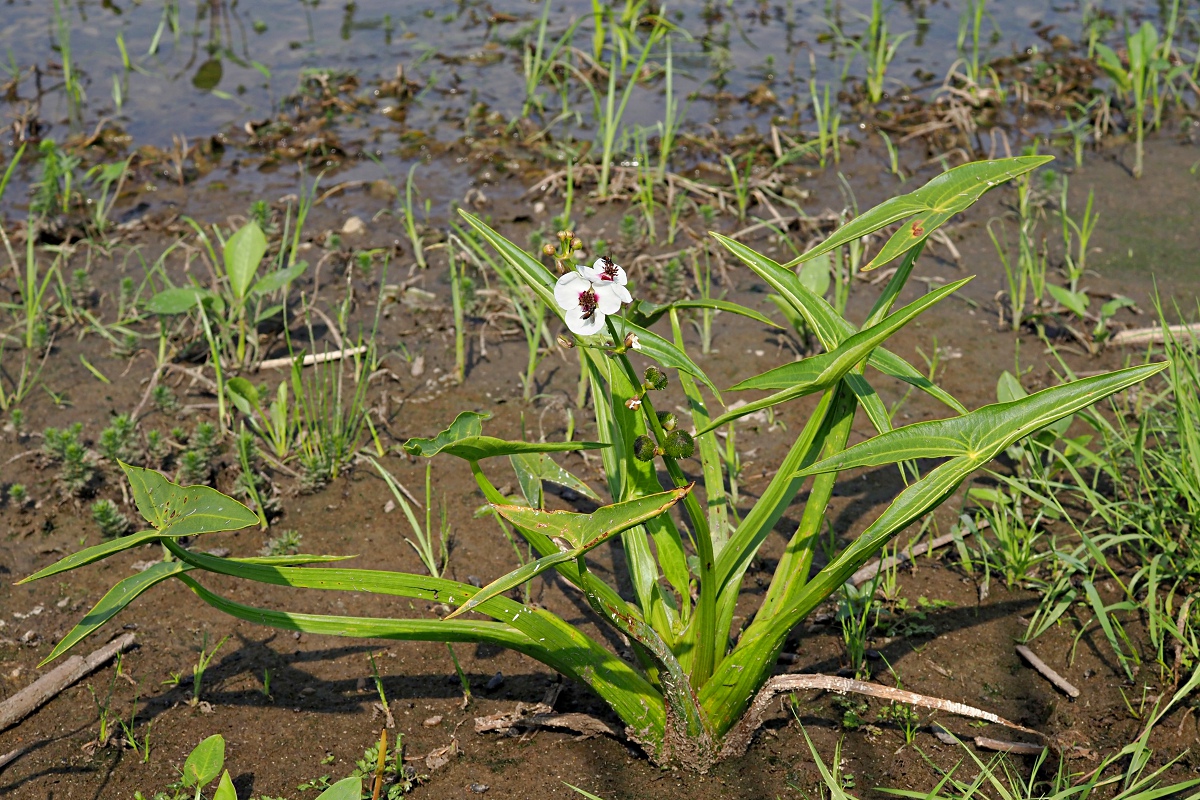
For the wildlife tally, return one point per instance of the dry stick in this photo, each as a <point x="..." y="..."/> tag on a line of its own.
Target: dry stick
<point x="312" y="358"/>
<point x="45" y="688"/>
<point x="738" y="739"/>
<point x="1020" y="748"/>
<point x="875" y="567"/>
<point x="12" y="756"/>
<point x="154" y="376"/>
<point x="1060" y="683"/>
<point x="1140" y="336"/>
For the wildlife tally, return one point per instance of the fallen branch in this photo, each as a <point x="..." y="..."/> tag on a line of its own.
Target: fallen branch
<point x="313" y="358"/>
<point x="50" y="685"/>
<point x="1000" y="745"/>
<point x="13" y="755"/>
<point x="1156" y="335"/>
<point x="1060" y="683"/>
<point x="738" y="739"/>
<point x="541" y="715"/>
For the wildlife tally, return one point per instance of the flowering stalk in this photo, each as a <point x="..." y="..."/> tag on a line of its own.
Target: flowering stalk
<point x="706" y="610"/>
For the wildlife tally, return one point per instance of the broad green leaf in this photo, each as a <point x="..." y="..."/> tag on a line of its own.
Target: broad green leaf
<point x="346" y="789"/>
<point x="244" y="395"/>
<point x="825" y="322"/>
<point x="1075" y="302"/>
<point x="933" y="204"/>
<point x="204" y="763"/>
<point x="114" y="601"/>
<point x="655" y="347"/>
<point x="243" y="253"/>
<point x="818" y="373"/>
<point x="457" y="441"/>
<point x="182" y="299"/>
<point x="815" y="274"/>
<point x="280" y="278"/>
<point x="980" y="435"/>
<point x="225" y="790"/>
<point x="575" y="534"/>
<point x="176" y="510"/>
<point x="534" y="468"/>
<point x="1008" y="388"/>
<point x="94" y="553"/>
<point x="645" y="313"/>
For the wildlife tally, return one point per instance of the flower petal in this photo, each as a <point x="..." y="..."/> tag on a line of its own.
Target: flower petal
<point x="568" y="288"/>
<point x="607" y="298"/>
<point x="621" y="292"/>
<point x="580" y="326"/>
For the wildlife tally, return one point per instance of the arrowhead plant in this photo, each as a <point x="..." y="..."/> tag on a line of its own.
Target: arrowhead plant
<point x="693" y="673"/>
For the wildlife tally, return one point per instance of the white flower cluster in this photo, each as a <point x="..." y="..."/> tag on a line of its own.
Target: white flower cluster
<point x="589" y="294"/>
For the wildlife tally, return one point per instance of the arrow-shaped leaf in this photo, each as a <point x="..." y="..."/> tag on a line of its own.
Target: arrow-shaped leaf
<point x="575" y="533"/>
<point x="176" y="510"/>
<point x="820" y="372"/>
<point x="933" y="204"/>
<point x="980" y="435"/>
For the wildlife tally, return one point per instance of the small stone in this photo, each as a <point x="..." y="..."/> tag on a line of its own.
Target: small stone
<point x="495" y="682"/>
<point x="475" y="581"/>
<point x="479" y="788"/>
<point x="539" y="207"/>
<point x="433" y="722"/>
<point x="353" y="226"/>
<point x="389" y="506"/>
<point x="418" y="366"/>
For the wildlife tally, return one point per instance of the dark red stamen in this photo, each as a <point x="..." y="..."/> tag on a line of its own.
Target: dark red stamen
<point x="608" y="268"/>
<point x="588" y="302"/>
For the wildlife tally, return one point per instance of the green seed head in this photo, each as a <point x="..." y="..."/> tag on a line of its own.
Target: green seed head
<point x="644" y="448"/>
<point x="654" y="377"/>
<point x="679" y="444"/>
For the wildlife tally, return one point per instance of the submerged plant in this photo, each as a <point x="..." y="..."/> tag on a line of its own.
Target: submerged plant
<point x="694" y="691"/>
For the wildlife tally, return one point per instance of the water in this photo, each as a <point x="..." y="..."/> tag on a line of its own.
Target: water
<point x="216" y="65"/>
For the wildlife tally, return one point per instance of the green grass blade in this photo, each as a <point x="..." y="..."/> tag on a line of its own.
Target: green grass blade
<point x="464" y="439"/>
<point x="92" y="554"/>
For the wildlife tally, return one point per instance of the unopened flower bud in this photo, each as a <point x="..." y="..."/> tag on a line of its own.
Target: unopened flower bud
<point x="631" y="342"/>
<point x="548" y="249"/>
<point x="633" y="403"/>
<point x="568" y="234"/>
<point x="577" y="244"/>
<point x="667" y="420"/>
<point x="679" y="444"/>
<point x="563" y="236"/>
<point x="644" y="448"/>
<point x="655" y="378"/>
<point x="566" y="343"/>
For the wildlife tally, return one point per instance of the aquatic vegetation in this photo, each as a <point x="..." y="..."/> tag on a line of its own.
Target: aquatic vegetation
<point x="697" y="673"/>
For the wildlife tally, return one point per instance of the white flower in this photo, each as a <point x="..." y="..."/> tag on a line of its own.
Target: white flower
<point x="586" y="303"/>
<point x="605" y="272"/>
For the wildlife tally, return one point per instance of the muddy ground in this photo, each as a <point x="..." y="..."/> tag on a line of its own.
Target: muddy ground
<point x="318" y="717"/>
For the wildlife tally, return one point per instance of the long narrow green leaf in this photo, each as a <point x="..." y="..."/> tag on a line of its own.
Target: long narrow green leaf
<point x="115" y="601"/>
<point x="825" y="322"/>
<point x="933" y="204"/>
<point x="981" y="434"/>
<point x="534" y="275"/>
<point x="818" y="373"/>
<point x="645" y="313"/>
<point x="92" y="554"/>
<point x="464" y="439"/>
<point x="655" y="347"/>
